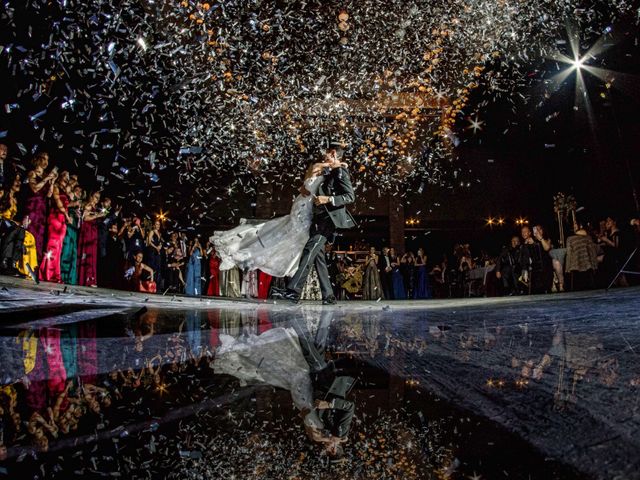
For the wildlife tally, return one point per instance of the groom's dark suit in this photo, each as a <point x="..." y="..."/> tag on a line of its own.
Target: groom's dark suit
<point x="327" y="384"/>
<point x="326" y="219"/>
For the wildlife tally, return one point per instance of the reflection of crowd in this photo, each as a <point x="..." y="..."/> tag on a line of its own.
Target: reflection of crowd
<point x="50" y="383"/>
<point x="60" y="379"/>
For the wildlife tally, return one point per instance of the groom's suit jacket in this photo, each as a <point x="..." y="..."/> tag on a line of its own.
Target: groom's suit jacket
<point x="337" y="184"/>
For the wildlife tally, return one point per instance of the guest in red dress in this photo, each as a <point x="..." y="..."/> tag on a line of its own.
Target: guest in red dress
<point x="58" y="219"/>
<point x="213" y="289"/>
<point x="88" y="242"/>
<point x="40" y="188"/>
<point x="264" y="284"/>
<point x="142" y="276"/>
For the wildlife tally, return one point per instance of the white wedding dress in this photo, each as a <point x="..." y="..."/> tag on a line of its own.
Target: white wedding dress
<point x="273" y="357"/>
<point x="275" y="246"/>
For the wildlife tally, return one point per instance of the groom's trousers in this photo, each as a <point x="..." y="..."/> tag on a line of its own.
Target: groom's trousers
<point x="322" y="229"/>
<point x="314" y="346"/>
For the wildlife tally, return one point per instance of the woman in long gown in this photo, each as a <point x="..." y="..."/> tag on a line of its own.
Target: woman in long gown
<point x="372" y="289"/>
<point x="230" y="283"/>
<point x="422" y="279"/>
<point x="311" y="289"/>
<point x="153" y="254"/>
<point x="28" y="263"/>
<point x="264" y="284"/>
<point x="58" y="220"/>
<point x="275" y="246"/>
<point x="69" y="258"/>
<point x="88" y="242"/>
<point x="213" y="289"/>
<point x="142" y="276"/>
<point x="396" y="277"/>
<point x="40" y="188"/>
<point x="193" y="281"/>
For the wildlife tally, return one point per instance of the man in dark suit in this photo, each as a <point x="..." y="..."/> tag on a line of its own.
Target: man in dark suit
<point x="329" y="214"/>
<point x="330" y="421"/>
<point x="384" y="266"/>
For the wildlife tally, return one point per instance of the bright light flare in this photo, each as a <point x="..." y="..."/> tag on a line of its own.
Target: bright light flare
<point x="578" y="63"/>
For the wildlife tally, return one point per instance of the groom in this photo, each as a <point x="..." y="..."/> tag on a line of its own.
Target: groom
<point x="329" y="214"/>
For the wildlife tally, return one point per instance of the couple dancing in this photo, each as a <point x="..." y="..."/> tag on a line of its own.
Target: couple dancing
<point x="292" y="245"/>
<point x="293" y="358"/>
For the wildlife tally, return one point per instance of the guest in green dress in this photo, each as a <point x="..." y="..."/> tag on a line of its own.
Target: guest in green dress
<point x="69" y="259"/>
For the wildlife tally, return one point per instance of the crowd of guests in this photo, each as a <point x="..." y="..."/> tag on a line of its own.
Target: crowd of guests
<point x="380" y="275"/>
<point x="53" y="229"/>
<point x="529" y="264"/>
<point x="594" y="255"/>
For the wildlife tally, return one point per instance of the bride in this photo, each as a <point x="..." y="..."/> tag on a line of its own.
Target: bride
<point x="275" y="246"/>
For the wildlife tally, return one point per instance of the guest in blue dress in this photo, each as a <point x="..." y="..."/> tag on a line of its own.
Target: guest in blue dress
<point x="194" y="265"/>
<point x="422" y="278"/>
<point x="396" y="277"/>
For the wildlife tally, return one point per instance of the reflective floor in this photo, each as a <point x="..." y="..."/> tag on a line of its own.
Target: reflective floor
<point x="543" y="388"/>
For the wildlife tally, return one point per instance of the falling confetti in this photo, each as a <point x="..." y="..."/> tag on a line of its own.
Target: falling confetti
<point x="211" y="99"/>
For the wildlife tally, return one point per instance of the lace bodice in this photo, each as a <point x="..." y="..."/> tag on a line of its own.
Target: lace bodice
<point x="303" y="205"/>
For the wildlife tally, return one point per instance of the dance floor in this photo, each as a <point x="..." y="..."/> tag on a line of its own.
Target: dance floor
<point x="542" y="387"/>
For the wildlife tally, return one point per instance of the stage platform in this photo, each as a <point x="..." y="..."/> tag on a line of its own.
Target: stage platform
<point x="536" y="387"/>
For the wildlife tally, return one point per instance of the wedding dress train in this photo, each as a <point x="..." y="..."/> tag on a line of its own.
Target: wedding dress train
<point x="273" y="358"/>
<point x="275" y="246"/>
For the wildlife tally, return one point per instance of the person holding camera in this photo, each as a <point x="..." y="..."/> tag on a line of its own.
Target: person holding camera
<point x="57" y="229"/>
<point x="134" y="238"/>
<point x="39" y="191"/>
<point x="88" y="242"/>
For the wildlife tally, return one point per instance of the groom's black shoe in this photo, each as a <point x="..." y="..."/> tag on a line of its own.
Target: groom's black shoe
<point x="330" y="300"/>
<point x="278" y="292"/>
<point x="290" y="295"/>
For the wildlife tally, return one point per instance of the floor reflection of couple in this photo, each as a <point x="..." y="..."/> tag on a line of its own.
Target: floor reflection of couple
<point x="292" y="358"/>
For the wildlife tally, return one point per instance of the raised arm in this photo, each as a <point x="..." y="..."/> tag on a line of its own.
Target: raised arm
<point x="89" y="214"/>
<point x="34" y="184"/>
